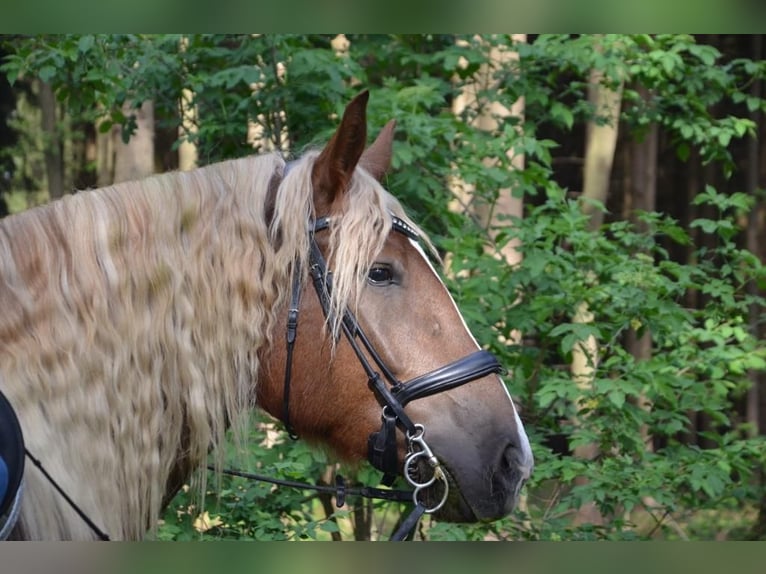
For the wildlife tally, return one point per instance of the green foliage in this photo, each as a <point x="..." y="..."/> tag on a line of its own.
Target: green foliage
<point x="97" y="75"/>
<point x="237" y="508"/>
<point x="699" y="363"/>
<point x="627" y="273"/>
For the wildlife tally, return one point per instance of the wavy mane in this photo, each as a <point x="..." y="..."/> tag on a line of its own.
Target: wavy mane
<point x="134" y="317"/>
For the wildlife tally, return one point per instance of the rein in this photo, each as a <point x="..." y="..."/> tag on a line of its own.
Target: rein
<point x="103" y="536"/>
<point x="341" y="491"/>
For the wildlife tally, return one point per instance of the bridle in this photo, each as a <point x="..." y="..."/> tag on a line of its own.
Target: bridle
<point x="392" y="394"/>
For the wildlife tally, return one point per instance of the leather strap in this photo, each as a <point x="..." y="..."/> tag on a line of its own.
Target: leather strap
<point x="455" y="374"/>
<point x="291" y="335"/>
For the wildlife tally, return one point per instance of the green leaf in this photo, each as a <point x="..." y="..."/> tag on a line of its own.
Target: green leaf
<point x="753" y="103"/>
<point x="707" y="225"/>
<point x="617" y="398"/>
<point x="85" y="43"/>
<point x="329" y="526"/>
<point x="46" y="73"/>
<point x="562" y="114"/>
<point x="724" y="138"/>
<point x="546" y="397"/>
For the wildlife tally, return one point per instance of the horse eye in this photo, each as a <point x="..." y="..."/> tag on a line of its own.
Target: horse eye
<point x="380" y="275"/>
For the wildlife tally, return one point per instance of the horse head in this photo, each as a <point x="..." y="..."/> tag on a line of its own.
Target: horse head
<point x="380" y="363"/>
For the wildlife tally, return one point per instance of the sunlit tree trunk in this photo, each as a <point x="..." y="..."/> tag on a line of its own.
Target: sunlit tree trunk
<point x="268" y="131"/>
<point x="135" y="159"/>
<point x="601" y="141"/>
<point x="187" y="151"/>
<point x="487" y="116"/>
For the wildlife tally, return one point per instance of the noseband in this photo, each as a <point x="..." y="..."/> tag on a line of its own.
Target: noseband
<point x="392" y="394"/>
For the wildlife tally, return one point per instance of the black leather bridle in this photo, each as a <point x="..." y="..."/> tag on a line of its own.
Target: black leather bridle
<point x="392" y="394"/>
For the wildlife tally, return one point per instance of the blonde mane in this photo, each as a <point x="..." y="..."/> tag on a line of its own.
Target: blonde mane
<point x="134" y="317"/>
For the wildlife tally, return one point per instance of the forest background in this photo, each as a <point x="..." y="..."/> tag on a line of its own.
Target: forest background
<point x="599" y="203"/>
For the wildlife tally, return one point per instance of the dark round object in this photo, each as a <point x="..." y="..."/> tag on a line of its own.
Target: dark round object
<point x="11" y="451"/>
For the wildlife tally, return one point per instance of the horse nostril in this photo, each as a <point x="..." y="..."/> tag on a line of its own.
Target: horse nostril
<point x="506" y="460"/>
<point x="516" y="460"/>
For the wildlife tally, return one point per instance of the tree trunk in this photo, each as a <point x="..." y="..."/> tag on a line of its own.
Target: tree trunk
<point x="495" y="215"/>
<point x="583" y="368"/>
<point x="187" y="151"/>
<point x="135" y="159"/>
<point x="268" y="131"/>
<point x="642" y="196"/>
<point x="84" y="155"/>
<point x="755" y="237"/>
<point x="52" y="144"/>
<point x="104" y="157"/>
<point x="601" y="141"/>
<point x="754" y="227"/>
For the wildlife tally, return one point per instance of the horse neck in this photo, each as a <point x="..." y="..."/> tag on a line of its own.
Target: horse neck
<point x="143" y="312"/>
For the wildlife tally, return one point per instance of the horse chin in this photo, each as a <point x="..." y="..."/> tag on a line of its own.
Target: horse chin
<point x="457" y="507"/>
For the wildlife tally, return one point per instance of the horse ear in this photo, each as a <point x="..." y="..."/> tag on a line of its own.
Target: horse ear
<point x="333" y="168"/>
<point x="376" y="159"/>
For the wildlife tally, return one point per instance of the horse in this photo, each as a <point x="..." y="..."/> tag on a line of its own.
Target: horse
<point x="142" y="320"/>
